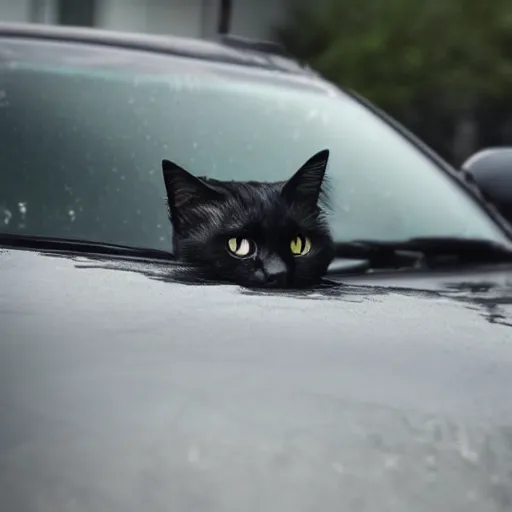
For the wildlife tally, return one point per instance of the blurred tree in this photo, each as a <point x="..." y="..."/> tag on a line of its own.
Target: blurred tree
<point x="427" y="62"/>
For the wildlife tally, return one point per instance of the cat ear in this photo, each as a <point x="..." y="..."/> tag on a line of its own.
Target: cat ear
<point x="184" y="189"/>
<point x="306" y="184"/>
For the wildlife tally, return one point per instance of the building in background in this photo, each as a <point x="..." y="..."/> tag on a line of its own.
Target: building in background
<point x="195" y="18"/>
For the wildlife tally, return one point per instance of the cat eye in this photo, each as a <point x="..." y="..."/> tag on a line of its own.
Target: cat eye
<point x="300" y="245"/>
<point x="241" y="247"/>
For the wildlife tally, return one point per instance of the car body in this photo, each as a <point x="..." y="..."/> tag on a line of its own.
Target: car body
<point x="122" y="388"/>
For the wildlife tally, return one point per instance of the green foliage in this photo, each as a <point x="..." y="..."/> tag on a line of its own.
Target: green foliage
<point x="404" y="53"/>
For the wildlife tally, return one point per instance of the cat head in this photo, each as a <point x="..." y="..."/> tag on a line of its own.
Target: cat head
<point x="252" y="233"/>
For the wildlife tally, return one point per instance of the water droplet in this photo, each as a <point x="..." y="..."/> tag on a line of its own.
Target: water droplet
<point x="338" y="467"/>
<point x="23" y="209"/>
<point x="7" y="216"/>
<point x="312" y="114"/>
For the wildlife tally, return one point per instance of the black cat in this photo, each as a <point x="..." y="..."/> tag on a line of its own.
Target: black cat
<point x="252" y="233"/>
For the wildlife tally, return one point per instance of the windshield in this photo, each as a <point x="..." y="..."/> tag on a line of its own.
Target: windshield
<point x="83" y="131"/>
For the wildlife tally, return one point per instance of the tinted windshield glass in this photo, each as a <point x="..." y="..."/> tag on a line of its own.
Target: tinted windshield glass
<point x="83" y="131"/>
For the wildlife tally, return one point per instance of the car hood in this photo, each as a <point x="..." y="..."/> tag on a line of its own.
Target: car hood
<point x="123" y="390"/>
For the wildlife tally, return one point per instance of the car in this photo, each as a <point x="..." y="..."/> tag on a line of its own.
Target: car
<point x="385" y="387"/>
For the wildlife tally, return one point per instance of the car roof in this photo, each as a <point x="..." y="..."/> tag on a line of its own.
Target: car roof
<point x="222" y="50"/>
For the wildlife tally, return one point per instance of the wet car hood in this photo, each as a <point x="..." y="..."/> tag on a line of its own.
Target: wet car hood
<point x="123" y="390"/>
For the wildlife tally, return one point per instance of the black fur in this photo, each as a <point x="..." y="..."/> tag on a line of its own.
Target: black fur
<point x="205" y="213"/>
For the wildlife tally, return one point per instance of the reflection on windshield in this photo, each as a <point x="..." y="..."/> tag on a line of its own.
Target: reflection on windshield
<point x="82" y="148"/>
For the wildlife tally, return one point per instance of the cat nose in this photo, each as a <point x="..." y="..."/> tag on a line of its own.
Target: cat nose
<point x="275" y="270"/>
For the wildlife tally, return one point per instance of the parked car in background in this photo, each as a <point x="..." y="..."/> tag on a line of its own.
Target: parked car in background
<point x="386" y="388"/>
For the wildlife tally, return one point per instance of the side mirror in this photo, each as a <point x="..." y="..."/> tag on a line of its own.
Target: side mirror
<point x="491" y="170"/>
